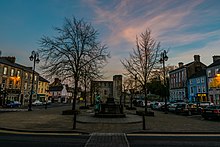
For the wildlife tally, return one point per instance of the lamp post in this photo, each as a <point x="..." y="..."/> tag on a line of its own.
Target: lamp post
<point x="34" y="57"/>
<point x="163" y="58"/>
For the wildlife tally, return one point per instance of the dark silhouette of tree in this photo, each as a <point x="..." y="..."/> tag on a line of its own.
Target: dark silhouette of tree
<point x="143" y="60"/>
<point x="74" y="47"/>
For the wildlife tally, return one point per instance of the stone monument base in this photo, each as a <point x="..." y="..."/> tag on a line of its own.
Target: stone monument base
<point x="110" y="110"/>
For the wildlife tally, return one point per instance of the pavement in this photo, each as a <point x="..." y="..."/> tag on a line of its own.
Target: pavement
<point x="51" y="120"/>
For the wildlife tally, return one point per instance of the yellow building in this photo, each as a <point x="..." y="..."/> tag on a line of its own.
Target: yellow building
<point x="16" y="81"/>
<point x="43" y="89"/>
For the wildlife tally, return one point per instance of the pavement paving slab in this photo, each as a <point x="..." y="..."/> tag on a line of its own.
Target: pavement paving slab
<point x="51" y="119"/>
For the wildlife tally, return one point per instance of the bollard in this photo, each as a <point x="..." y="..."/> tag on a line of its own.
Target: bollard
<point x="144" y="127"/>
<point x="74" y="121"/>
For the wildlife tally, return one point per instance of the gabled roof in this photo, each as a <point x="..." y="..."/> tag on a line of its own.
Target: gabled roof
<point x="198" y="74"/>
<point x="16" y="65"/>
<point x="216" y="63"/>
<point x="185" y="66"/>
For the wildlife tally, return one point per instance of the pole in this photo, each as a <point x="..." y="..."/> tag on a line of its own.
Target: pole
<point x="32" y="86"/>
<point x="164" y="75"/>
<point x="144" y="126"/>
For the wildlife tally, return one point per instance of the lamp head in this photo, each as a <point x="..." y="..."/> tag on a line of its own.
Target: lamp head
<point x="37" y="60"/>
<point x="31" y="57"/>
<point x="165" y="57"/>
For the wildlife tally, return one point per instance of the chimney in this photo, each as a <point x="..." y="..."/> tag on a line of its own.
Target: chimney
<point x="215" y="58"/>
<point x="180" y="64"/>
<point x="196" y="58"/>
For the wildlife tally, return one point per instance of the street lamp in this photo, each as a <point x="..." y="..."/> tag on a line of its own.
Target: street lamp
<point x="163" y="58"/>
<point x="34" y="57"/>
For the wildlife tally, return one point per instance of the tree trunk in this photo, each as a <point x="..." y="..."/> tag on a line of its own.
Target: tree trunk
<point x="75" y="94"/>
<point x="85" y="94"/>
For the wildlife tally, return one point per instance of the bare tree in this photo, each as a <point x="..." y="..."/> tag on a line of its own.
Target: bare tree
<point x="89" y="73"/>
<point x="73" y="48"/>
<point x="143" y="60"/>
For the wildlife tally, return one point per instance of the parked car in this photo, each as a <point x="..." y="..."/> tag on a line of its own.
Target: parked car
<point x="202" y="105"/>
<point x="211" y="112"/>
<point x="186" y="108"/>
<point x="157" y="105"/>
<point x="37" y="103"/>
<point x="172" y="107"/>
<point x="162" y="108"/>
<point x="13" y="104"/>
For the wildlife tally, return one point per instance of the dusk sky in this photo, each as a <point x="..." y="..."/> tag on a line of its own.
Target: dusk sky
<point x="186" y="27"/>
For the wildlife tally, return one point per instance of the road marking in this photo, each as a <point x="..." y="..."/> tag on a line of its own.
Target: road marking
<point x="40" y="133"/>
<point x="174" y="134"/>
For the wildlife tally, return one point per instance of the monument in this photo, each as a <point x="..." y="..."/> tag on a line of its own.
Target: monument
<point x="109" y="109"/>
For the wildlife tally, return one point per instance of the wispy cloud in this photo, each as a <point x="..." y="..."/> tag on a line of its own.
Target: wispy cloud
<point x="168" y="21"/>
<point x="124" y="26"/>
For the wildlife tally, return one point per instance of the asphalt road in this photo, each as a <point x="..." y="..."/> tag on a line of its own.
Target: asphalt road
<point x="27" y="140"/>
<point x="174" y="141"/>
<point x="134" y="140"/>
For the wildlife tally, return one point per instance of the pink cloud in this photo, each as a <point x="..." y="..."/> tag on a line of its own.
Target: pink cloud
<point x="124" y="28"/>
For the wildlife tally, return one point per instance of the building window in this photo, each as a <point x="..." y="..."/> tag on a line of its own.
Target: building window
<point x="5" y="70"/>
<point x="3" y="83"/>
<point x="25" y="86"/>
<point x="209" y="73"/>
<point x="105" y="92"/>
<point x="197" y="80"/>
<point x="26" y="76"/>
<point x="18" y="73"/>
<point x="216" y="71"/>
<point x="190" y="81"/>
<point x="203" y="89"/>
<point x="191" y="90"/>
<point x="199" y="89"/>
<point x="35" y="78"/>
<point x="10" y="84"/>
<point x="12" y="72"/>
<point x="202" y="80"/>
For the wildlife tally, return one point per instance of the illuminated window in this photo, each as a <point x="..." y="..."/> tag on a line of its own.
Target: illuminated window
<point x="35" y="78"/>
<point x="5" y="70"/>
<point x="18" y="73"/>
<point x="26" y="76"/>
<point x="12" y="72"/>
